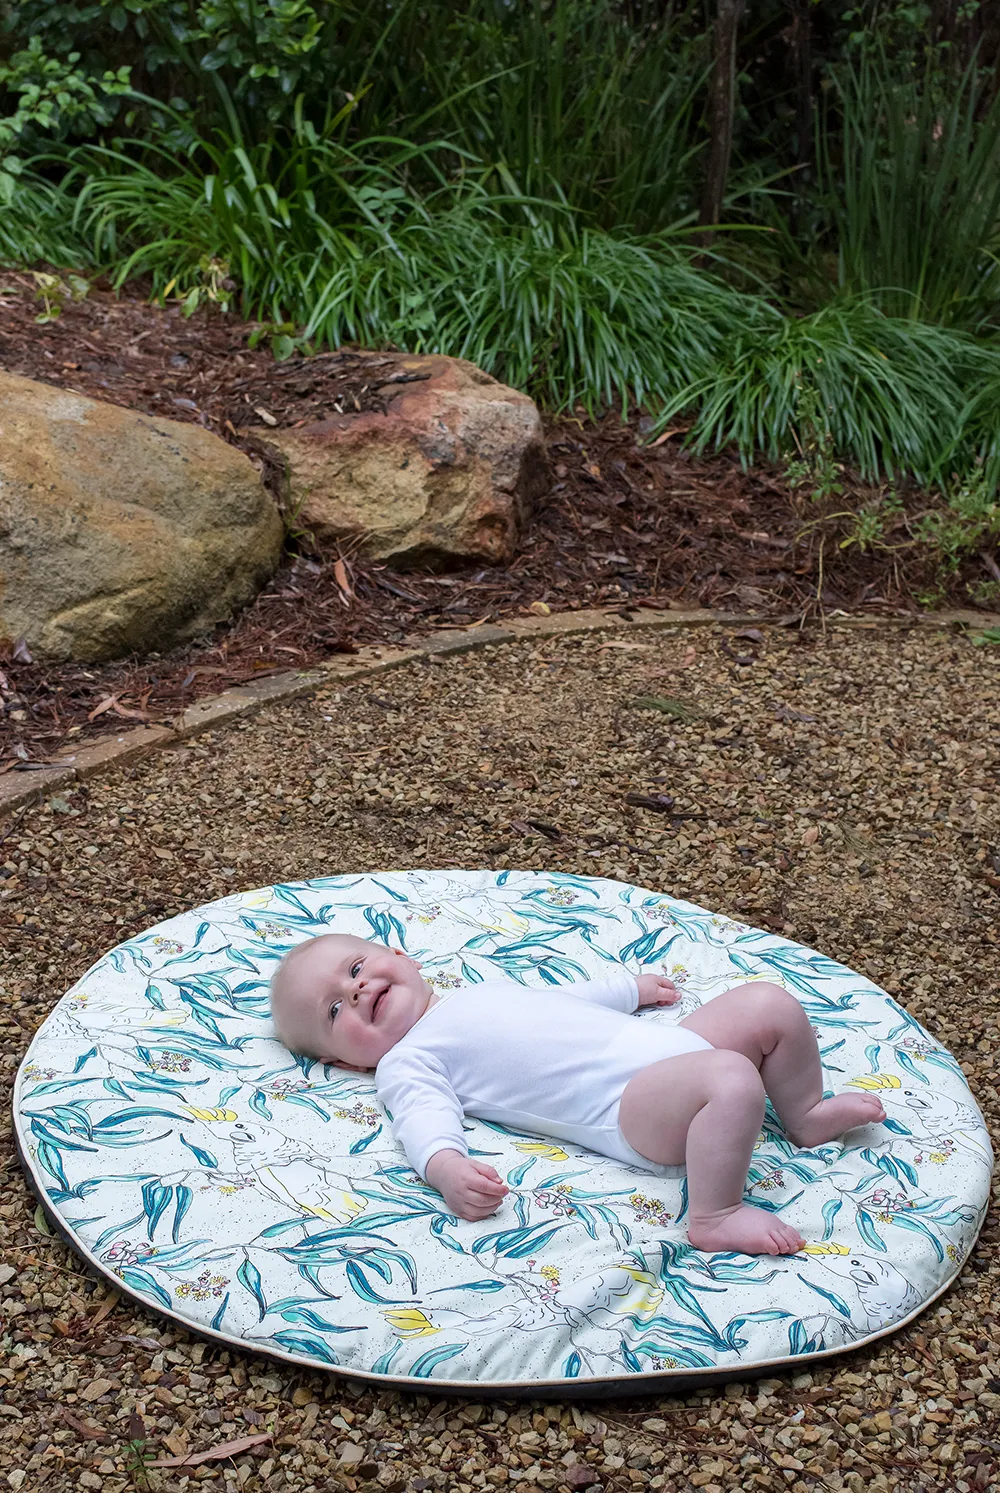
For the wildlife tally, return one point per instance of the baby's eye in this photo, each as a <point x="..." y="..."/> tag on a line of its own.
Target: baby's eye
<point x="333" y="1010"/>
<point x="355" y="968"/>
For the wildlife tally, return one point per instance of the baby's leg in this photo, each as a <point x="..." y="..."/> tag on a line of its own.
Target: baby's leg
<point x="705" y="1108"/>
<point x="767" y="1025"/>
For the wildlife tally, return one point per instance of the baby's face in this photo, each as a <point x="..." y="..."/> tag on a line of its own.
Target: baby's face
<point x="348" y="1001"/>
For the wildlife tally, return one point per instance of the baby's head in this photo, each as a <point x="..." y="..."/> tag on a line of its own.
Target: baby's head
<point x="346" y="1001"/>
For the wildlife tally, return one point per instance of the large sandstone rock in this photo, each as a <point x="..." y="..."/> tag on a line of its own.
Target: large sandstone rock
<point x="447" y="473"/>
<point x="121" y="532"/>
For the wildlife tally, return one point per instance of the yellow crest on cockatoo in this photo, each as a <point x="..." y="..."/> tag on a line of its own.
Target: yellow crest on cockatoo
<point x="644" y="1298"/>
<point x="256" y="899"/>
<point x="210" y="1116"/>
<point x="540" y="1148"/>
<point x="875" y="1081"/>
<point x="410" y="1322"/>
<point x="504" y="921"/>
<point x="350" y="1206"/>
<point x="825" y="1249"/>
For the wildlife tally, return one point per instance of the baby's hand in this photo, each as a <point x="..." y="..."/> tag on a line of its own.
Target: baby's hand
<point x="657" y="990"/>
<point x="470" y="1189"/>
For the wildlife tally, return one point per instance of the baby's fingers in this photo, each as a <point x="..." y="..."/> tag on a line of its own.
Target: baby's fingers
<point x="491" y="1192"/>
<point x="487" y="1171"/>
<point x="476" y="1205"/>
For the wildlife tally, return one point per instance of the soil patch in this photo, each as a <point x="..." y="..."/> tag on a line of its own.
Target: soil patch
<point x="623" y="523"/>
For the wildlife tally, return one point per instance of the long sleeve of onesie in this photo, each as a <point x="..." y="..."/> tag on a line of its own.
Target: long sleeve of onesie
<point x="426" y="1112"/>
<point x="617" y="989"/>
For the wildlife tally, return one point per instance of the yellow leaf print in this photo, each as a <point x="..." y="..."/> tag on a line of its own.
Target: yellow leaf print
<point x="410" y="1322"/>
<point x="209" y="1115"/>
<point x="825" y="1249"/>
<point x="539" y="1148"/>
<point x="875" y="1082"/>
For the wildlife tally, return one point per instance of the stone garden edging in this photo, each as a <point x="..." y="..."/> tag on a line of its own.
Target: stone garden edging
<point x="20" y="789"/>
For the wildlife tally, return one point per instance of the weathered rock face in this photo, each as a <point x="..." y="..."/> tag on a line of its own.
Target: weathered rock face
<point x="121" y="532"/>
<point x="446" y="474"/>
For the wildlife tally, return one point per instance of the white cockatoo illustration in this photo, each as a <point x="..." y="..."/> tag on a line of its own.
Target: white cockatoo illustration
<point x="885" y="1294"/>
<point x="294" y="1173"/>
<point x="290" y="1171"/>
<point x="107" y="1024"/>
<point x="599" y="1310"/>
<point x="934" y="1116"/>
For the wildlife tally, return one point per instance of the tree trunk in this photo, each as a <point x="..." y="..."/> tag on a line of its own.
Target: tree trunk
<point x="801" y="42"/>
<point x="721" y="107"/>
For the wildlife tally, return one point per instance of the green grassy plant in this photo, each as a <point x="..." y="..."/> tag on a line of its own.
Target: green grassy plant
<point x="893" y="395"/>
<point x="36" y="220"/>
<point x="342" y="242"/>
<point x="576" y="101"/>
<point x="909" y="172"/>
<point x="587" y="101"/>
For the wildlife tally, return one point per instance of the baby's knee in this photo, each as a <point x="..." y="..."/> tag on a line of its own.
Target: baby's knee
<point x="773" y="1006"/>
<point x="734" y="1079"/>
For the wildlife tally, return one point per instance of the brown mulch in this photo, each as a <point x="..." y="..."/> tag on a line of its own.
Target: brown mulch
<point x="623" y="523"/>
<point x="454" y="763"/>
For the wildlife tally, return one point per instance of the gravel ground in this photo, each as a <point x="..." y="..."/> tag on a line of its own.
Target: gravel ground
<point x="839" y="789"/>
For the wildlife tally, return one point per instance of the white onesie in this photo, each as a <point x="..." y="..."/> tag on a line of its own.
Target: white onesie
<point x="553" y="1061"/>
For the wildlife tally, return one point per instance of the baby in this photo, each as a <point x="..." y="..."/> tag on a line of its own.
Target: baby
<point x="567" y="1062"/>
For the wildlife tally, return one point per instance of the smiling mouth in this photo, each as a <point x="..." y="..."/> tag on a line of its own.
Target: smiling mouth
<point x="378" y="1001"/>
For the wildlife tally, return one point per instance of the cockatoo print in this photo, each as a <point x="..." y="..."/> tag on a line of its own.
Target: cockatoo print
<point x="933" y="1116"/>
<point x="885" y="1294"/>
<point x="294" y="1173"/>
<point x="599" y="1310"/>
<point x="107" y="1025"/>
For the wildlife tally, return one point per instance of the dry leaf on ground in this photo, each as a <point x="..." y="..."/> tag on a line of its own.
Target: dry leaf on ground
<point x="218" y="1453"/>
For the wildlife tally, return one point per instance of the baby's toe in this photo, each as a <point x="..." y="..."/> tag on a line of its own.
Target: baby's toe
<point x="791" y="1240"/>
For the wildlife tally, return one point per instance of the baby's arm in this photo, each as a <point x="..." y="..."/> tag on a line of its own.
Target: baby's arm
<point x="624" y="992"/>
<point x="427" y="1123"/>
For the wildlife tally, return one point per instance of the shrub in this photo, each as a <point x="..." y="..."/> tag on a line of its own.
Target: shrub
<point x="893" y="395"/>
<point x="910" y="177"/>
<point x="342" y="241"/>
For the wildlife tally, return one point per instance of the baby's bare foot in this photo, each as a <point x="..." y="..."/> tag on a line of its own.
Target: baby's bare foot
<point x="751" y="1231"/>
<point x="832" y="1117"/>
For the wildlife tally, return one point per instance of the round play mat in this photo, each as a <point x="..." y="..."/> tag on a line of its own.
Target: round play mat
<point x="262" y="1201"/>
